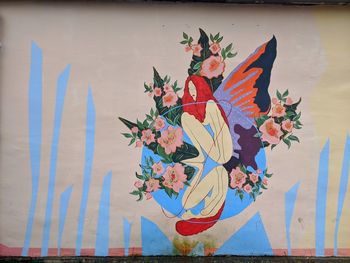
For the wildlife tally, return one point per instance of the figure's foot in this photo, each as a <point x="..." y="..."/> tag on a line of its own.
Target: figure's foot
<point x="194" y="226"/>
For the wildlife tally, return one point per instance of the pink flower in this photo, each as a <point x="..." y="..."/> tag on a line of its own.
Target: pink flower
<point x="157" y="92"/>
<point x="271" y="131"/>
<point x="152" y="185"/>
<point x="197" y="48"/>
<point x="238" y="178"/>
<point x="258" y="171"/>
<point x="247" y="188"/>
<point x="287" y="125"/>
<point x="167" y="88"/>
<point x="212" y="67"/>
<point x="138" y="184"/>
<point x="264" y="181"/>
<point x="169" y="99"/>
<point x="254" y="177"/>
<point x="134" y="129"/>
<point x="187" y="48"/>
<point x="289" y="101"/>
<point x="148" y="196"/>
<point x="278" y="110"/>
<point x="150" y="94"/>
<point x="175" y="177"/>
<point x="147" y="136"/>
<point x="159" y="123"/>
<point x="158" y="168"/>
<point x="170" y="139"/>
<point x="274" y="100"/>
<point x="215" y="48"/>
<point x="138" y="144"/>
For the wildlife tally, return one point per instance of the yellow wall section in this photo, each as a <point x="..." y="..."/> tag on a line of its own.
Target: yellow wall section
<point x="330" y="107"/>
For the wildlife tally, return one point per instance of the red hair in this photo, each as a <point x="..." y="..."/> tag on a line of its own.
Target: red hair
<point x="204" y="94"/>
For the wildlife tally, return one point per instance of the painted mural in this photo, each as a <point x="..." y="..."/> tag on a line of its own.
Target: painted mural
<point x="213" y="134"/>
<point x="203" y="158"/>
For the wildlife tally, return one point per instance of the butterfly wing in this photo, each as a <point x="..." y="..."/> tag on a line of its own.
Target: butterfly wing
<point x="244" y="94"/>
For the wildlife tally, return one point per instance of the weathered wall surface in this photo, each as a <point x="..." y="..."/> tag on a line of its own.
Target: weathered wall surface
<point x="68" y="72"/>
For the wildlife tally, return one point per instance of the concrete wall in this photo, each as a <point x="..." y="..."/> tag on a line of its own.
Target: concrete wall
<point x="69" y="70"/>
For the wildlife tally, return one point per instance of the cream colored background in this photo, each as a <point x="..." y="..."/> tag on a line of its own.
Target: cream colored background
<point x="113" y="47"/>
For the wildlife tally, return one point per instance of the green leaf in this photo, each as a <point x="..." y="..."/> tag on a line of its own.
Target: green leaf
<point x="161" y="153"/>
<point x="127" y="135"/>
<point x="186" y="151"/>
<point x="127" y="123"/>
<point x="185" y="36"/>
<point x="220" y="39"/>
<point x="228" y="48"/>
<point x="132" y="141"/>
<point x="183" y="42"/>
<point x="241" y="195"/>
<point x="168" y="191"/>
<point x="190" y="40"/>
<point x="293" y="138"/>
<point x="140" y="197"/>
<point x="297" y="117"/>
<point x="279" y="96"/>
<point x="273" y="146"/>
<point x="135" y="192"/>
<point x="216" y="36"/>
<point x="211" y="38"/>
<point x="189" y="171"/>
<point x="230" y="55"/>
<point x="139" y="176"/>
<point x="286" y="141"/>
<point x="198" y="65"/>
<point x="158" y="81"/>
<point x="285" y="94"/>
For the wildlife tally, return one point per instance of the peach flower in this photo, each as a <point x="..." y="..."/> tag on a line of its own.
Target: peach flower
<point x="170" y="139"/>
<point x="175" y="177"/>
<point x="148" y="196"/>
<point x="167" y="88"/>
<point x="247" y="188"/>
<point x="197" y="48"/>
<point x="254" y="177"/>
<point x="212" y="67"/>
<point x="152" y="185"/>
<point x="157" y="92"/>
<point x="287" y="125"/>
<point x="138" y="184"/>
<point x="278" y="110"/>
<point x="215" y="48"/>
<point x="134" y="129"/>
<point x="169" y="99"/>
<point x="264" y="181"/>
<point x="258" y="171"/>
<point x="187" y="48"/>
<point x="159" y="123"/>
<point x="271" y="131"/>
<point x="238" y="178"/>
<point x="147" y="136"/>
<point x="138" y="144"/>
<point x="289" y="101"/>
<point x="158" y="168"/>
<point x="274" y="100"/>
<point x="150" y="94"/>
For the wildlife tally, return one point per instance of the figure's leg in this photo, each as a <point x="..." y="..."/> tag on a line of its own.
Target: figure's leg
<point x="215" y="201"/>
<point x="217" y="182"/>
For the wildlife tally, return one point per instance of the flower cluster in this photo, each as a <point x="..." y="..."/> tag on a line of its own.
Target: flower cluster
<point x="245" y="181"/>
<point x="165" y="92"/>
<point x="280" y="123"/>
<point x="154" y="177"/>
<point x="208" y="58"/>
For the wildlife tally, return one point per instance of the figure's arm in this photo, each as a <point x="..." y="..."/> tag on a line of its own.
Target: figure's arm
<point x="222" y="137"/>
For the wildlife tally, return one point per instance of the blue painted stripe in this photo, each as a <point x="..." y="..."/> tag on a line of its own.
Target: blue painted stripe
<point x="64" y="203"/>
<point x="321" y="199"/>
<point x="89" y="156"/>
<point x="60" y="96"/>
<point x="342" y="190"/>
<point x="289" y="201"/>
<point x="35" y="123"/>
<point x="127" y="231"/>
<point x="102" y="233"/>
